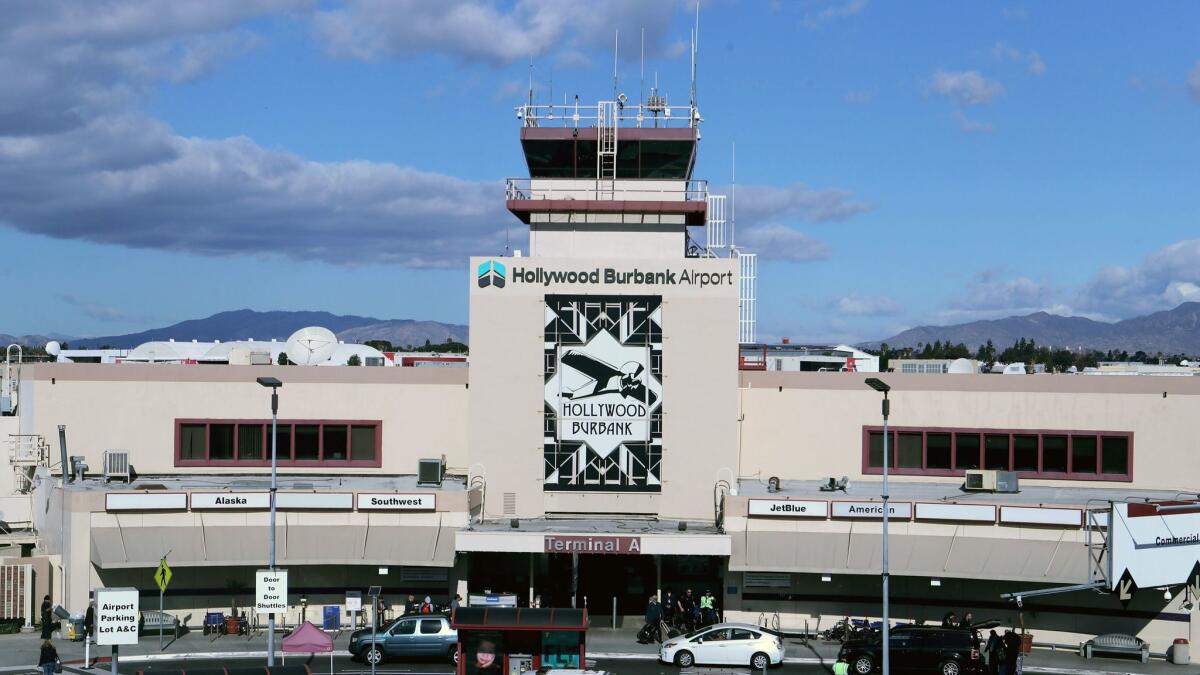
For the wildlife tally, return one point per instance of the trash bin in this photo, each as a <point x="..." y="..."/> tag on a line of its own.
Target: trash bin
<point x="75" y="630"/>
<point x="1179" y="652"/>
<point x="1026" y="643"/>
<point x="333" y="617"/>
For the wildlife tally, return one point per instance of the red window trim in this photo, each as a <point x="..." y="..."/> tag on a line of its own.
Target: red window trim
<point x="284" y="458"/>
<point x="981" y="432"/>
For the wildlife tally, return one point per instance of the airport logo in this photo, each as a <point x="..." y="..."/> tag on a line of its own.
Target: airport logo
<point x="491" y="273"/>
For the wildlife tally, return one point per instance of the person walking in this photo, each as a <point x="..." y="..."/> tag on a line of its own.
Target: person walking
<point x="456" y="602"/>
<point x="48" y="658"/>
<point x="46" y="616"/>
<point x="950" y="620"/>
<point x="668" y="610"/>
<point x="841" y="667"/>
<point x="991" y="652"/>
<point x="649" y="632"/>
<point x="427" y="605"/>
<point x="685" y="607"/>
<point x="968" y="620"/>
<point x="1012" y="649"/>
<point x="412" y="606"/>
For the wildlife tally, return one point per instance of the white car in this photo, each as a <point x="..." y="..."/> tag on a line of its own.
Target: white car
<point x="735" y="644"/>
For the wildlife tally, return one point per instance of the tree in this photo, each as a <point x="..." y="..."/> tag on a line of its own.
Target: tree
<point x="354" y="360"/>
<point x="381" y="345"/>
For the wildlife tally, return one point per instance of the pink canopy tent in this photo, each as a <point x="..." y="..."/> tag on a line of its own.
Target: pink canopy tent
<point x="308" y="638"/>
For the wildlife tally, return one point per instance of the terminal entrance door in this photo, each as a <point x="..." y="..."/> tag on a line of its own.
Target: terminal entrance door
<point x="631" y="579"/>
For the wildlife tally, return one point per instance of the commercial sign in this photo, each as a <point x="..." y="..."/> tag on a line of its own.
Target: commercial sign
<point x="270" y="591"/>
<point x="603" y="393"/>
<point x="788" y="508"/>
<point x="901" y="510"/>
<point x="1157" y="544"/>
<point x="979" y="513"/>
<point x="116" y="616"/>
<point x="353" y="601"/>
<point x="601" y="544"/>
<point x="383" y="501"/>
<point x="230" y="501"/>
<point x="136" y="501"/>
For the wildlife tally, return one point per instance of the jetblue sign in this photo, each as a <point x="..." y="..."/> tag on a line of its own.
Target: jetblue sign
<point x="788" y="508"/>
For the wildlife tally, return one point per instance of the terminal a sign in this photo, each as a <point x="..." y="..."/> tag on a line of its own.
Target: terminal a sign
<point x="270" y="591"/>
<point x="600" y="544"/>
<point x="116" y="616"/>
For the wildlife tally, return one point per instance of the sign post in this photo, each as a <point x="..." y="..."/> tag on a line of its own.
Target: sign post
<point x="162" y="577"/>
<point x="116" y="619"/>
<point x="374" y="592"/>
<point x="354" y="605"/>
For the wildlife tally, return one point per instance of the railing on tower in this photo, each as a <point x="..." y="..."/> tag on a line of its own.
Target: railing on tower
<point x="655" y="114"/>
<point x="624" y="189"/>
<point x="606" y="149"/>
<point x="747" y="311"/>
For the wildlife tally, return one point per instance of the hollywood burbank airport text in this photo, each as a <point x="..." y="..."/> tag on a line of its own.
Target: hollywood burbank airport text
<point x="636" y="411"/>
<point x="609" y="275"/>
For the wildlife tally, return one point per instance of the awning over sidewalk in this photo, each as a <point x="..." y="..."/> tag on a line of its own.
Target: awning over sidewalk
<point x="140" y="540"/>
<point x="1032" y="554"/>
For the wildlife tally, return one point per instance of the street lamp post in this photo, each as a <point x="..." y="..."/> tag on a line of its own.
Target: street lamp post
<point x="882" y="387"/>
<point x="274" y="384"/>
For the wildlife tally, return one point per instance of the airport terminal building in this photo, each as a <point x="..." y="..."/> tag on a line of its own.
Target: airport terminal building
<point x="603" y="445"/>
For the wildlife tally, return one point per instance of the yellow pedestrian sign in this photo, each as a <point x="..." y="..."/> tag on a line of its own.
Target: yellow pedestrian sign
<point x="162" y="576"/>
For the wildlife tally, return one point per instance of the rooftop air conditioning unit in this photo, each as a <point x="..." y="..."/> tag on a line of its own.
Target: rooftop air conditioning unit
<point x="1006" y="481"/>
<point x="431" y="471"/>
<point x="980" y="480"/>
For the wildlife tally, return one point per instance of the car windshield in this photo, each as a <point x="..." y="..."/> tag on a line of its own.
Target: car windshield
<point x="699" y="631"/>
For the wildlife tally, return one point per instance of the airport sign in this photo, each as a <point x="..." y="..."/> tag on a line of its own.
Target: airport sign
<point x="270" y="591"/>
<point x="1155" y="544"/>
<point x="116" y="616"/>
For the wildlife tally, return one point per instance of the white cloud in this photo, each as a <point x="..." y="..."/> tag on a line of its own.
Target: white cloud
<point x="854" y="304"/>
<point x="971" y="126"/>
<point x="835" y="12"/>
<point x="477" y="30"/>
<point x="967" y="87"/>
<point x="78" y="162"/>
<point x="765" y="203"/>
<point x="780" y="242"/>
<point x="1032" y="60"/>
<point x="1193" y="82"/>
<point x="1165" y="278"/>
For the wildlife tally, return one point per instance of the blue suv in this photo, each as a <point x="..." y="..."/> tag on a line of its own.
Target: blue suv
<point x="416" y="635"/>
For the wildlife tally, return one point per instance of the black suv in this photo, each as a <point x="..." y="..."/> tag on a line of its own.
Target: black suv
<point x="924" y="649"/>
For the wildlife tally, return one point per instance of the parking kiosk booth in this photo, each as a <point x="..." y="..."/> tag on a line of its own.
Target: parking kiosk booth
<point x="505" y="641"/>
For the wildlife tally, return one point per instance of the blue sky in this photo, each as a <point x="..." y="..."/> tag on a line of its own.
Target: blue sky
<point x="898" y="163"/>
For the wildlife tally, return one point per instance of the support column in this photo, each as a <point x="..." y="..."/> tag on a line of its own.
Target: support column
<point x="532" y="559"/>
<point x="658" y="577"/>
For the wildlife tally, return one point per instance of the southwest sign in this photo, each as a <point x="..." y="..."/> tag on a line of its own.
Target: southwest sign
<point x="601" y="544"/>
<point x="423" y="501"/>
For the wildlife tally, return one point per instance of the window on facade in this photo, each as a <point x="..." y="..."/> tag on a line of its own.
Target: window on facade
<point x="1114" y="455"/>
<point x="220" y="441"/>
<point x="1054" y="454"/>
<point x="1035" y="454"/>
<point x="236" y="443"/>
<point x="333" y="441"/>
<point x="1083" y="454"/>
<point x="307" y="444"/>
<point x="966" y="451"/>
<point x="995" y="451"/>
<point x="875" y="452"/>
<point x="1025" y="453"/>
<point x="191" y="441"/>
<point x="362" y="443"/>
<point x="250" y="442"/>
<point x="283" y="442"/>
<point x="909" y="451"/>
<point x="937" y="451"/>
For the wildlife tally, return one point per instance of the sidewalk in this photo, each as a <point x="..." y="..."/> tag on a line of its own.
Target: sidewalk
<point x="20" y="652"/>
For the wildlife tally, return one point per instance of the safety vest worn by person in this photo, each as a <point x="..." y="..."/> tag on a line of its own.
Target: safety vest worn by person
<point x="706" y="602"/>
<point x="841" y="668"/>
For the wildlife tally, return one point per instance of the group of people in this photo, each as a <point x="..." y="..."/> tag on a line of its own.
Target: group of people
<point x="413" y="606"/>
<point x="48" y="660"/>
<point x="951" y="620"/>
<point x="1003" y="653"/>
<point x="684" y="613"/>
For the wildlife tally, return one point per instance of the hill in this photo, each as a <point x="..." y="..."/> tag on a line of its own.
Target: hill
<point x="1173" y="331"/>
<point x="244" y="324"/>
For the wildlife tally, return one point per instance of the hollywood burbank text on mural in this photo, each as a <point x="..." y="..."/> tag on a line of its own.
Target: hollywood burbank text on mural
<point x="603" y="393"/>
<point x="611" y="276"/>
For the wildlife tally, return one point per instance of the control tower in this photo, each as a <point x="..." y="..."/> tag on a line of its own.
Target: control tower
<point x="604" y="359"/>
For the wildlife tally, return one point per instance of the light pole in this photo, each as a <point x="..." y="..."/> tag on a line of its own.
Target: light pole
<point x="274" y="384"/>
<point x="881" y="386"/>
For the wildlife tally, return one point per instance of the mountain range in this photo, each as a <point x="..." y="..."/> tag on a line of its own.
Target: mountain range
<point x="245" y="324"/>
<point x="1172" y="331"/>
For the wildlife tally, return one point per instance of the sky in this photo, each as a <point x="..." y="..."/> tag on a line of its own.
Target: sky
<point x="898" y="164"/>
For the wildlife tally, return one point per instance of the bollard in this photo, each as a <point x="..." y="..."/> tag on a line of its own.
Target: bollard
<point x="614" y="615"/>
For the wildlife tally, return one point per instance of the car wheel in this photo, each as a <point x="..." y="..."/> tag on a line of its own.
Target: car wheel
<point x="373" y="656"/>
<point x="949" y="668"/>
<point x="863" y="665"/>
<point x="453" y="654"/>
<point x="760" y="661"/>
<point x="684" y="659"/>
